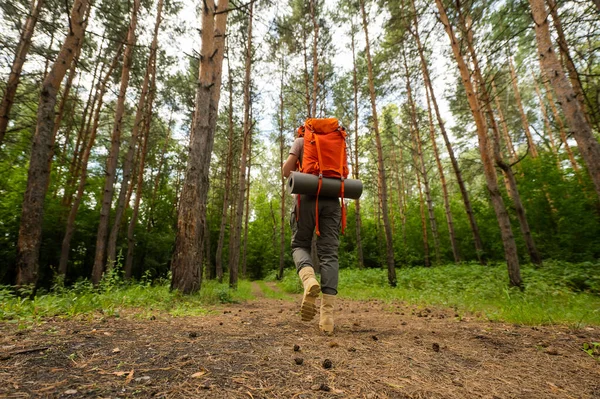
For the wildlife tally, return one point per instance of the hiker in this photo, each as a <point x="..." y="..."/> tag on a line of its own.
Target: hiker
<point x="320" y="213"/>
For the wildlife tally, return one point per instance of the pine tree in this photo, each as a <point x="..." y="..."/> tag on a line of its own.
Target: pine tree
<point x="30" y="231"/>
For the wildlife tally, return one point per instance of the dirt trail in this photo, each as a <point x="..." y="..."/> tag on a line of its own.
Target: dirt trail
<point x="247" y="351"/>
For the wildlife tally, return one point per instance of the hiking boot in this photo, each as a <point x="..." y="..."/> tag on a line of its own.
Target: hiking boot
<point x="308" y="310"/>
<point x="326" y="322"/>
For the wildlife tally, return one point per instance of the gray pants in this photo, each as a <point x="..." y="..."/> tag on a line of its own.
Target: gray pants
<point x="327" y="244"/>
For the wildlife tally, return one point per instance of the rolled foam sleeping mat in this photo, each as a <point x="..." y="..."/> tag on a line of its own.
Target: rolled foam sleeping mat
<point x="304" y="183"/>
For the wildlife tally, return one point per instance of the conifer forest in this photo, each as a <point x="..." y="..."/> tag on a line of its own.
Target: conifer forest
<point x="146" y="220"/>
<point x="149" y="135"/>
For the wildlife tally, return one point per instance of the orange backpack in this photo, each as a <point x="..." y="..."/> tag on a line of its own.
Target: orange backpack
<point x="325" y="155"/>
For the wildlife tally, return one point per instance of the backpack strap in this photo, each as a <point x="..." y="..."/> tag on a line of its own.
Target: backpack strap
<point x="316" y="136"/>
<point x="341" y="171"/>
<point x="300" y="132"/>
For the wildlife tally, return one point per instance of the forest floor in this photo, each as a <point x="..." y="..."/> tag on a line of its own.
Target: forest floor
<point x="252" y="350"/>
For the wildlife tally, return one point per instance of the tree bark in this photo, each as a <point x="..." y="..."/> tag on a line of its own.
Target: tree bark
<point x="427" y="258"/>
<point x="402" y="193"/>
<point x="38" y="175"/>
<point x="484" y="99"/>
<point x="113" y="154"/>
<point x="74" y="207"/>
<point x="82" y="132"/>
<point x="355" y="167"/>
<point x="187" y="258"/>
<point x="381" y="170"/>
<point x="306" y="78"/>
<point x="508" y="241"/>
<point x="235" y="239"/>
<point x="247" y="211"/>
<point x="147" y="105"/>
<point x="459" y="179"/>
<point x="446" y="197"/>
<point x="63" y="103"/>
<point x="17" y="66"/>
<point x="586" y="107"/>
<point x="158" y="177"/>
<point x="228" y="178"/>
<point x="515" y="84"/>
<point x="547" y="125"/>
<point x="567" y="98"/>
<point x="138" y="192"/>
<point x="509" y="144"/>
<point x="420" y="162"/>
<point x="507" y="171"/>
<point x="281" y="161"/>
<point x="561" y="128"/>
<point x="315" y="91"/>
<point x="143" y="103"/>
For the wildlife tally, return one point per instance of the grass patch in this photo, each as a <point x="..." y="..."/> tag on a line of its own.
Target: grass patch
<point x="110" y="299"/>
<point x="558" y="293"/>
<point x="271" y="293"/>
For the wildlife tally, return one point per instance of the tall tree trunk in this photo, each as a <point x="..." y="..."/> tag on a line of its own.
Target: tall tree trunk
<point x="113" y="154"/>
<point x="247" y="211"/>
<point x="17" y="66"/>
<point x="47" y="64"/>
<point x="561" y="127"/>
<point x="586" y="106"/>
<point x="355" y="167"/>
<point x="313" y="10"/>
<point x="547" y="125"/>
<point x="63" y="103"/>
<point x="381" y="170"/>
<point x="187" y="259"/>
<point x="508" y="241"/>
<point x="507" y="171"/>
<point x="509" y="144"/>
<point x="567" y="98"/>
<point x="306" y="78"/>
<point x="30" y="230"/>
<point x="235" y="239"/>
<point x="228" y="177"/>
<point x="207" y="250"/>
<point x="483" y="98"/>
<point x="74" y="207"/>
<point x="459" y="179"/>
<point x="420" y="164"/>
<point x="281" y="161"/>
<point x="402" y="193"/>
<point x="415" y="157"/>
<point x="147" y="105"/>
<point x="158" y="177"/>
<point x="143" y="102"/>
<point x="515" y="84"/>
<point x="138" y="189"/>
<point x="82" y="132"/>
<point x="446" y="197"/>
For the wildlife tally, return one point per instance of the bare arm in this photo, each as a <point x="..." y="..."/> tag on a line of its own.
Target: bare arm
<point x="289" y="165"/>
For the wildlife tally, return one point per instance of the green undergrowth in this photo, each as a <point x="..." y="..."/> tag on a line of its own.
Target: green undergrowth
<point x="113" y="296"/>
<point x="557" y="293"/>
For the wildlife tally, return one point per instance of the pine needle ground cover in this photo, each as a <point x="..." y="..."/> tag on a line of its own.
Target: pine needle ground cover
<point x="222" y="346"/>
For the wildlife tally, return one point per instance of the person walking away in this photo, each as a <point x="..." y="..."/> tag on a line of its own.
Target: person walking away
<point x="323" y="214"/>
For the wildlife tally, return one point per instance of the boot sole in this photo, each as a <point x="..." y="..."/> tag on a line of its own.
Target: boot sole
<point x="327" y="330"/>
<point x="308" y="309"/>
